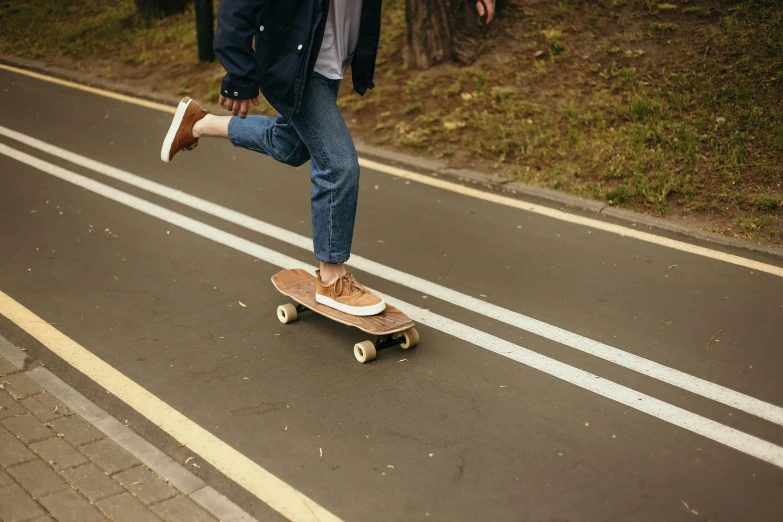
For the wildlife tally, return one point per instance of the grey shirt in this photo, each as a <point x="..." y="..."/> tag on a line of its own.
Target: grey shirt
<point x="340" y="38"/>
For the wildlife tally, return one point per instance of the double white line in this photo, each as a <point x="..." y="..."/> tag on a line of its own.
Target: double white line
<point x="718" y="432"/>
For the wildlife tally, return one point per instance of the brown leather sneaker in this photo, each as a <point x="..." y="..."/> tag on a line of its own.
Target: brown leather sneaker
<point x="180" y="135"/>
<point x="347" y="295"/>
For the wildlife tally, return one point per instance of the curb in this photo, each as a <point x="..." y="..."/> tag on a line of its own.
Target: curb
<point x="437" y="168"/>
<point x="190" y="485"/>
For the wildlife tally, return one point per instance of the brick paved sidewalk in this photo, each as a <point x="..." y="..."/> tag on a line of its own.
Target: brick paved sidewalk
<point x="56" y="466"/>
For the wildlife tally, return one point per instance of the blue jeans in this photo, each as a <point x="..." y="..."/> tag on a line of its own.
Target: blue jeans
<point x="317" y="133"/>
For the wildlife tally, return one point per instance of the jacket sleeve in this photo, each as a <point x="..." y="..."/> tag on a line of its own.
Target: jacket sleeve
<point x="236" y="26"/>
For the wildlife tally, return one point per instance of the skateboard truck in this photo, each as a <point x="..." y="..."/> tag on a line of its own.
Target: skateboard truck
<point x="364" y="351"/>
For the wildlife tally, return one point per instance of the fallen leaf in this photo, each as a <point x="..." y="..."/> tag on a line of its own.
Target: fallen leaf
<point x="322" y="451"/>
<point x="587" y="424"/>
<point x="673" y="266"/>
<point x="390" y="466"/>
<point x="403" y="360"/>
<point x="431" y="454"/>
<point x="246" y="378"/>
<point x="501" y="386"/>
<point x="243" y="305"/>
<point x="189" y="459"/>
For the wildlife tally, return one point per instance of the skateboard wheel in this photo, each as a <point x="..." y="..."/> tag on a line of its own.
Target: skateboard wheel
<point x="286" y="313"/>
<point x="364" y="351"/>
<point x="411" y="339"/>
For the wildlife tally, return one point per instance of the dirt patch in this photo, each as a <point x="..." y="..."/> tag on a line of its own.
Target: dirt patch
<point x="672" y="109"/>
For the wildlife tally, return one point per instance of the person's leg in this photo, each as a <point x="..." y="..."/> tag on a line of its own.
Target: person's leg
<point x="334" y="171"/>
<point x="270" y="136"/>
<point x="211" y="126"/>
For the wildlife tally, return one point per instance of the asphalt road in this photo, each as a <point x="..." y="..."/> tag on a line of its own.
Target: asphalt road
<point x="448" y="431"/>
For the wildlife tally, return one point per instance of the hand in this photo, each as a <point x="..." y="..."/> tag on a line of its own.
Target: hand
<point x="486" y="7"/>
<point x="239" y="107"/>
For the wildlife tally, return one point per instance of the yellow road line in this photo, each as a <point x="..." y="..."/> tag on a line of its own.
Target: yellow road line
<point x="271" y="490"/>
<point x="92" y="90"/>
<point x="574" y="218"/>
<point x="475" y="193"/>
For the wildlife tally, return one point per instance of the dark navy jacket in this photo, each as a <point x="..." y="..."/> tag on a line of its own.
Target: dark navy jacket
<point x="288" y="36"/>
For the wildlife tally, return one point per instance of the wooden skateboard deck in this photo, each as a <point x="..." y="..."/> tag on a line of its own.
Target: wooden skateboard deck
<point x="299" y="285"/>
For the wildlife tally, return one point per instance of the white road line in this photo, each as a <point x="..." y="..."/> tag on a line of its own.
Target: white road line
<point x="720" y="433"/>
<point x="470" y="192"/>
<point x="633" y="362"/>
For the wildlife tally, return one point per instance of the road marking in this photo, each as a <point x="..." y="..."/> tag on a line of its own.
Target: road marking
<point x="633" y="362"/>
<point x="475" y="193"/>
<point x="283" y="498"/>
<point x="575" y="219"/>
<point x="91" y="90"/>
<point x="715" y="431"/>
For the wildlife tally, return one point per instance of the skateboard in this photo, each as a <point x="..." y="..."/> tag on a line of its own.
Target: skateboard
<point x="391" y="327"/>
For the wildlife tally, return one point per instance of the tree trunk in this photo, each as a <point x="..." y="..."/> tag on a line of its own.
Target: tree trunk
<point x="148" y="9"/>
<point x="428" y="39"/>
<point x="205" y="30"/>
<point x="442" y="30"/>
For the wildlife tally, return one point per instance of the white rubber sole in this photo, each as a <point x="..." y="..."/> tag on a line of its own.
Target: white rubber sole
<point x="360" y="311"/>
<point x="176" y="122"/>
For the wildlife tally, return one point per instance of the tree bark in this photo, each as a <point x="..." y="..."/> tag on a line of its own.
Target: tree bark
<point x="205" y="30"/>
<point x="442" y="30"/>
<point x="428" y="33"/>
<point x="149" y="9"/>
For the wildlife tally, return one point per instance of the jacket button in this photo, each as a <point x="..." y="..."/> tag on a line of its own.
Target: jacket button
<point x="236" y="93"/>
<point x="300" y="47"/>
<point x="262" y="28"/>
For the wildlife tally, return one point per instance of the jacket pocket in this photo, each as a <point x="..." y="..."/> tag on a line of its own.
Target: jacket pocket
<point x="279" y="50"/>
<point x="282" y="36"/>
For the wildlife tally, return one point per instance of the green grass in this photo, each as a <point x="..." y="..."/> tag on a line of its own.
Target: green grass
<point x="663" y="27"/>
<point x="766" y="203"/>
<point x="699" y="12"/>
<point x="752" y="224"/>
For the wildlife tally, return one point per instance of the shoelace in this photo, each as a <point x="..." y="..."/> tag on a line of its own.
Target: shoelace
<point x="353" y="284"/>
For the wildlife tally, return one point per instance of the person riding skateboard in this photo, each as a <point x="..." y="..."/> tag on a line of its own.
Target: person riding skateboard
<point x="302" y="50"/>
